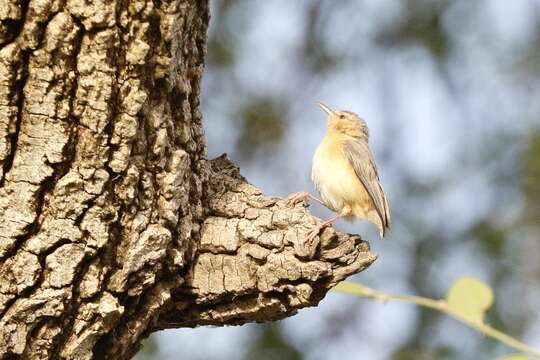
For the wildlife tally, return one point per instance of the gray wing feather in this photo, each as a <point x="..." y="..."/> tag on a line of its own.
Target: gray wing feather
<point x="361" y="159"/>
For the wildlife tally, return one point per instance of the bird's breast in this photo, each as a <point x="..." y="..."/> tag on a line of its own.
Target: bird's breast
<point x="335" y="178"/>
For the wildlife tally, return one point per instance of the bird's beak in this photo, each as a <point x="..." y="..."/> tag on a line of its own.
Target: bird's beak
<point x="325" y="108"/>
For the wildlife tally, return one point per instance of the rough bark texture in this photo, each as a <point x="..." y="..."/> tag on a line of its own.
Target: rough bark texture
<point x="112" y="223"/>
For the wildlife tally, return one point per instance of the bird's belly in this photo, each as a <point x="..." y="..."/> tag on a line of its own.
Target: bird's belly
<point x="338" y="184"/>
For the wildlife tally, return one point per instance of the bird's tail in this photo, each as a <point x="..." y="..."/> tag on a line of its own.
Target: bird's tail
<point x="373" y="217"/>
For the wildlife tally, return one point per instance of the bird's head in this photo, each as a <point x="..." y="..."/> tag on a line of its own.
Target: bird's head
<point x="345" y="122"/>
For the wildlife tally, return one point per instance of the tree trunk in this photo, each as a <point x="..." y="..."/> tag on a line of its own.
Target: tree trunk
<point x="112" y="222"/>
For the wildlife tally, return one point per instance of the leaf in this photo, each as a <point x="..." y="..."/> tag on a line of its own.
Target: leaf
<point x="516" y="357"/>
<point x="351" y="288"/>
<point x="471" y="298"/>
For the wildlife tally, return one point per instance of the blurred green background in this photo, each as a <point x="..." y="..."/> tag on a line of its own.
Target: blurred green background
<point x="451" y="92"/>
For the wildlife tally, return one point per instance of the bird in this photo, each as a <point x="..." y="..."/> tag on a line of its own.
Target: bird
<point x="345" y="174"/>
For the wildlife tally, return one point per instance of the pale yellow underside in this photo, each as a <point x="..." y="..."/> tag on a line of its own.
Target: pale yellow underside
<point x="338" y="184"/>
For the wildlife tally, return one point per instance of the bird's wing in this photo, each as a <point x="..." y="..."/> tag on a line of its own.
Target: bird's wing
<point x="359" y="156"/>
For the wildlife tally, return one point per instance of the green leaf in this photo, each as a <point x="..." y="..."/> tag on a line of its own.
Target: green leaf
<point x="351" y="288"/>
<point x="516" y="357"/>
<point x="471" y="298"/>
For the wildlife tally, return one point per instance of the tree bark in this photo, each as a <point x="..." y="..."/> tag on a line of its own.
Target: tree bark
<point x="112" y="222"/>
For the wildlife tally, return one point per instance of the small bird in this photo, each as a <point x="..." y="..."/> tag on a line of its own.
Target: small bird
<point x="345" y="173"/>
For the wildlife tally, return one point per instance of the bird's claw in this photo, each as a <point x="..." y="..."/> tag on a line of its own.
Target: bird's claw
<point x="316" y="230"/>
<point x="297" y="197"/>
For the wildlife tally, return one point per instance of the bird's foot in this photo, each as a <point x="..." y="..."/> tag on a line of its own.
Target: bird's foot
<point x="297" y="197"/>
<point x="316" y="230"/>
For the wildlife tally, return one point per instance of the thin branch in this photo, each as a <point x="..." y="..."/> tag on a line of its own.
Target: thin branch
<point x="439" y="305"/>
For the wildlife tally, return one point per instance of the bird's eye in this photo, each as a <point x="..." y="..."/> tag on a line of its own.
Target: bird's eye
<point x="342" y="116"/>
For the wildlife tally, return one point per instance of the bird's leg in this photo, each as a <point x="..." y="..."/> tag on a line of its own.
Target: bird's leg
<point x="317" y="229"/>
<point x="295" y="198"/>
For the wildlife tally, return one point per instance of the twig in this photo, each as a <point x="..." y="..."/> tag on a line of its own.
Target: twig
<point x="440" y="305"/>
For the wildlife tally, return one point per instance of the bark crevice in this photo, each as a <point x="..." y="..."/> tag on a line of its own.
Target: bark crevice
<point x="13" y="134"/>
